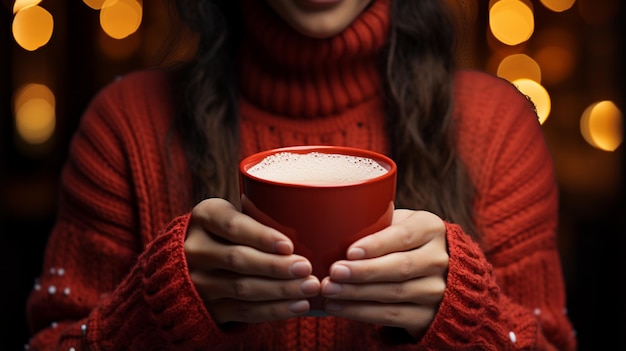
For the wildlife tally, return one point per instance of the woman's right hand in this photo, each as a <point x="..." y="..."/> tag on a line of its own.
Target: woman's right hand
<point x="244" y="270"/>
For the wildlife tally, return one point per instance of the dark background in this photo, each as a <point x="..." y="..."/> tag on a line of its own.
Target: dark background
<point x="74" y="65"/>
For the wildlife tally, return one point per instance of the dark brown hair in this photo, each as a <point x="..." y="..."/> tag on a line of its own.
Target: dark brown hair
<point x="418" y="68"/>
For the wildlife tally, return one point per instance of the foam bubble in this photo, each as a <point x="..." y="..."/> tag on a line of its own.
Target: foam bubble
<point x="316" y="168"/>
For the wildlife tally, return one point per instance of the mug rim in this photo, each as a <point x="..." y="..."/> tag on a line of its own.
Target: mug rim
<point x="382" y="159"/>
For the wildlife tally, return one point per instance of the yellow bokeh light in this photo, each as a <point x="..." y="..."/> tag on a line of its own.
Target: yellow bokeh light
<point x="94" y="4"/>
<point x="32" y="27"/>
<point x="20" y="4"/>
<point x="558" y="5"/>
<point x="35" y="121"/>
<point x="120" y="18"/>
<point x="537" y="94"/>
<point x="34" y="109"/>
<point x="33" y="91"/>
<point x="511" y="21"/>
<point x="601" y="125"/>
<point x="519" y="66"/>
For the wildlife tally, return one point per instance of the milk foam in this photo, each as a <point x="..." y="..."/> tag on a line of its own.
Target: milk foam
<point x="316" y="168"/>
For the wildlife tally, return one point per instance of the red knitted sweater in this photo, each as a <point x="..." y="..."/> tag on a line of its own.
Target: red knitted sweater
<point x="115" y="275"/>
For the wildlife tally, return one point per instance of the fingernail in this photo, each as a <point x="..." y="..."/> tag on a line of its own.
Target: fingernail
<point x="356" y="253"/>
<point x="339" y="272"/>
<point x="301" y="269"/>
<point x="299" y="307"/>
<point x="331" y="289"/>
<point x="283" y="247"/>
<point x="310" y="286"/>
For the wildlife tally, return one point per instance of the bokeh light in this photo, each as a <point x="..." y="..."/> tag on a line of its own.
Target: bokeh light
<point x="33" y="91"/>
<point x="601" y="125"/>
<point x="558" y="5"/>
<point x="32" y="27"/>
<point x="511" y="21"/>
<point x="94" y="4"/>
<point x="537" y="95"/>
<point x="20" y="4"/>
<point x="121" y="18"/>
<point x="34" y="111"/>
<point x="519" y="66"/>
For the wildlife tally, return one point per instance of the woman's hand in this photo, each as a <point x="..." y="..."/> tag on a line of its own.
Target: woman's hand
<point x="396" y="277"/>
<point x="245" y="271"/>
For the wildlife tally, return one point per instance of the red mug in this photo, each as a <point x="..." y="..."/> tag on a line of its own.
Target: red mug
<point x="322" y="220"/>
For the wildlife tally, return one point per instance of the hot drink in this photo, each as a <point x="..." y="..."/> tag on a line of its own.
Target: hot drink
<point x="322" y="197"/>
<point x="316" y="168"/>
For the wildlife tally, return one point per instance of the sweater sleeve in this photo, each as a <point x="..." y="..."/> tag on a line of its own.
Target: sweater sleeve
<point x="508" y="292"/>
<point x="154" y="306"/>
<point x="106" y="283"/>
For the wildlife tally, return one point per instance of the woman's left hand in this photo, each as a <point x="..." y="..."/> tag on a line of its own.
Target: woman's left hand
<point x="395" y="277"/>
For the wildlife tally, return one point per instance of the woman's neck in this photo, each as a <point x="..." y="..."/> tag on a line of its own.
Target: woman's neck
<point x="292" y="75"/>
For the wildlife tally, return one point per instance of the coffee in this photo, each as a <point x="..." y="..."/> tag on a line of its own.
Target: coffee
<point x="316" y="168"/>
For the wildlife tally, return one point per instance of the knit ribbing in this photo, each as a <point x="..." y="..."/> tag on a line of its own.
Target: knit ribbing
<point x="468" y="294"/>
<point x="362" y="126"/>
<point x="289" y="74"/>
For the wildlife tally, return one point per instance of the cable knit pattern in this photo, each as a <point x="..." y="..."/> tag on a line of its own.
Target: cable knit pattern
<point x="115" y="276"/>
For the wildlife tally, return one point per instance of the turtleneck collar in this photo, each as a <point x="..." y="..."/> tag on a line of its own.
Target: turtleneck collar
<point x="289" y="74"/>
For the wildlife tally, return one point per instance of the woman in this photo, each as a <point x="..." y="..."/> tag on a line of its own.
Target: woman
<point x="151" y="252"/>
